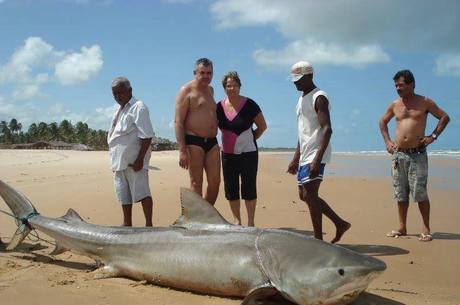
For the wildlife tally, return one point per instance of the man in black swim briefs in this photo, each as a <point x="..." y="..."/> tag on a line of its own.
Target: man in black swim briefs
<point x="196" y="130"/>
<point x="205" y="143"/>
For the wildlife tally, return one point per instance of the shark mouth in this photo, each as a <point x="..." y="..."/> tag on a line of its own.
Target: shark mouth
<point x="350" y="291"/>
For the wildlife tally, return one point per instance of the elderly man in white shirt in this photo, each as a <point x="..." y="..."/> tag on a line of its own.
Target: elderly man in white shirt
<point x="129" y="139"/>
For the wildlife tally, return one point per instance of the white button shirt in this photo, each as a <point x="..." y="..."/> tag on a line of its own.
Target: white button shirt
<point x="131" y="125"/>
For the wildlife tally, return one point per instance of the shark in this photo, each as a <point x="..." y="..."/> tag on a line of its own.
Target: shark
<point x="202" y="252"/>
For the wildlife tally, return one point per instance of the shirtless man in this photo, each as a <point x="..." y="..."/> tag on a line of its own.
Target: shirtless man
<point x="196" y="131"/>
<point x="410" y="162"/>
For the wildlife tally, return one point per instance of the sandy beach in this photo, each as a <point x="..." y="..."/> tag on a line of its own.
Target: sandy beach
<point x="355" y="186"/>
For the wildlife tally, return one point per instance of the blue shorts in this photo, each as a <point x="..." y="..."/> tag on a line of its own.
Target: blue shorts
<point x="303" y="174"/>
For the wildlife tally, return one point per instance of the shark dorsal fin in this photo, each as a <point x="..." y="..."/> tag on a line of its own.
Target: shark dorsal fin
<point x="71" y="215"/>
<point x="197" y="212"/>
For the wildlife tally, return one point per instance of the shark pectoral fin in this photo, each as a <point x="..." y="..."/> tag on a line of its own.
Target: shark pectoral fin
<point x="197" y="211"/>
<point x="58" y="249"/>
<point x="18" y="237"/>
<point x="105" y="272"/>
<point x="259" y="294"/>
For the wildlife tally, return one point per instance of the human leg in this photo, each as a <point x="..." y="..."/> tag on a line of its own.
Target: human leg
<point x="249" y="183"/>
<point x="318" y="207"/>
<point x="235" y="207"/>
<point x="418" y="177"/>
<point x="196" y="164"/>
<point x="424" y="208"/>
<point x="127" y="214"/>
<point x="147" y="207"/>
<point x="123" y="193"/>
<point x="403" y="206"/>
<point x="310" y="196"/>
<point x="212" y="169"/>
<point x="140" y="191"/>
<point x="251" y="210"/>
<point x="400" y="169"/>
<point x="341" y="226"/>
<point x="231" y="173"/>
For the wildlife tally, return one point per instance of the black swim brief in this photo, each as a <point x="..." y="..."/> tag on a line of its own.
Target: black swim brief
<point x="205" y="143"/>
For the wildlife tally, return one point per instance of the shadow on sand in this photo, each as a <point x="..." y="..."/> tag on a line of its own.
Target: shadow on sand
<point x="373" y="299"/>
<point x="374" y="250"/>
<point x="364" y="299"/>
<point x="57" y="262"/>
<point x="445" y="235"/>
<point x="154" y="168"/>
<point x="23" y="247"/>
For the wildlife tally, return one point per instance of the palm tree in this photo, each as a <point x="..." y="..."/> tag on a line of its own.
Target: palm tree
<point x="3" y="127"/>
<point x="32" y="133"/>
<point x="14" y="127"/>
<point x="43" y="131"/>
<point x="81" y="132"/>
<point x="5" y="132"/>
<point x="66" y="130"/>
<point x="54" y="131"/>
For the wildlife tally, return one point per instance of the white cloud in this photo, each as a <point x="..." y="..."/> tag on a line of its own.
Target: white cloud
<point x="352" y="28"/>
<point x="29" y="66"/>
<point x="56" y="109"/>
<point x="321" y="53"/>
<point x="79" y="67"/>
<point x="448" y="64"/>
<point x="26" y="92"/>
<point x="35" y="53"/>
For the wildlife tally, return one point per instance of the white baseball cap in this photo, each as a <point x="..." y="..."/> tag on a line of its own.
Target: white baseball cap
<point x="300" y="69"/>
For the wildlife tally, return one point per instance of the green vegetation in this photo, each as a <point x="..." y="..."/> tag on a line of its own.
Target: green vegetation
<point x="11" y="133"/>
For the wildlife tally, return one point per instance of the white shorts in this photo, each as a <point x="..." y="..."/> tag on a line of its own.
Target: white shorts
<point x="131" y="186"/>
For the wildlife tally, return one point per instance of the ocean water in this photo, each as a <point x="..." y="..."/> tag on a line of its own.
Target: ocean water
<point x="443" y="166"/>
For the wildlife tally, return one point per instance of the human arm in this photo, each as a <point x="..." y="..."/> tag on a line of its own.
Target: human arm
<point x="294" y="164"/>
<point x="383" y="123"/>
<point x="325" y="132"/>
<point x="138" y="164"/>
<point x="182" y="105"/>
<point x="145" y="134"/>
<point x="259" y="120"/>
<point x="443" y="120"/>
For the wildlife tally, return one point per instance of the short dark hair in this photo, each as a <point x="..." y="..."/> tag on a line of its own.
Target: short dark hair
<point x="203" y="61"/>
<point x="233" y="75"/>
<point x="407" y="74"/>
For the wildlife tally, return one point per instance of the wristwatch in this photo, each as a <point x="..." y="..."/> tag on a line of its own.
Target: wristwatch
<point x="434" y="136"/>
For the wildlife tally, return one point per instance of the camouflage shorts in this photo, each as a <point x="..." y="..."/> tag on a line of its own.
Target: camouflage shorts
<point x="410" y="176"/>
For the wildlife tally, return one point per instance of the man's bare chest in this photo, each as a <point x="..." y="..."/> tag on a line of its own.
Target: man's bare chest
<point x="403" y="112"/>
<point x="198" y="102"/>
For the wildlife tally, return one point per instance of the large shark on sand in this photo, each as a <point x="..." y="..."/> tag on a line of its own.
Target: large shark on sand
<point x="202" y="252"/>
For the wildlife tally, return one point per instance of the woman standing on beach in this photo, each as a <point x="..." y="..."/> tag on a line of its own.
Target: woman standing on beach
<point x="236" y="115"/>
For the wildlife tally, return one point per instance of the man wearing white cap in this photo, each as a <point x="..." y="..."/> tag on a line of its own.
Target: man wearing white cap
<point x="313" y="148"/>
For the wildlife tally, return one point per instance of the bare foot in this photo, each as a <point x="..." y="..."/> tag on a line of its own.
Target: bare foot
<point x="340" y="231"/>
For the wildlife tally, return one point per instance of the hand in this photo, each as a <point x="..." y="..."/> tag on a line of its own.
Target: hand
<point x="293" y="167"/>
<point x="391" y="147"/>
<point x="427" y="140"/>
<point x="137" y="165"/>
<point x="183" y="159"/>
<point x="314" y="169"/>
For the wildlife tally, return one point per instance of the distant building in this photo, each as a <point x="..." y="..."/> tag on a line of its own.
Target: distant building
<point x="159" y="144"/>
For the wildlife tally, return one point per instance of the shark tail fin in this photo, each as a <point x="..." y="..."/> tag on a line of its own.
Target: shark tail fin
<point x="22" y="209"/>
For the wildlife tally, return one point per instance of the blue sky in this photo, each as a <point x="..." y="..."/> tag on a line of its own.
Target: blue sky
<point x="57" y="59"/>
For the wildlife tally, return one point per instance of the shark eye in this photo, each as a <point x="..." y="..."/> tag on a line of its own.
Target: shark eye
<point x="341" y="272"/>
